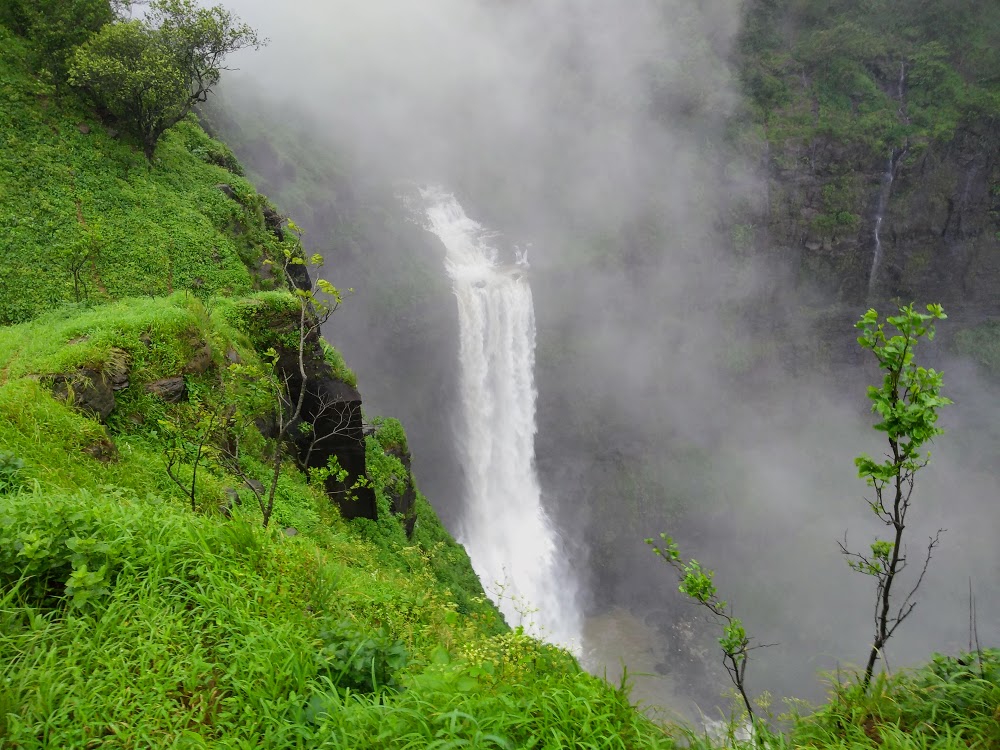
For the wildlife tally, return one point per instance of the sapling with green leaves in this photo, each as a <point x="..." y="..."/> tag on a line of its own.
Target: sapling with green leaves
<point x="317" y="301"/>
<point x="188" y="439"/>
<point x="907" y="403"/>
<point x="698" y="584"/>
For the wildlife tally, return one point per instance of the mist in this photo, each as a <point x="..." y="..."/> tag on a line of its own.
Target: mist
<point x="684" y="389"/>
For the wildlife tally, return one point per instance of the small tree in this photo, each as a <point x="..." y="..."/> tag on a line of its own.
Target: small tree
<point x="148" y="74"/>
<point x="189" y="441"/>
<point x="84" y="250"/>
<point x="698" y="584"/>
<point x="907" y="403"/>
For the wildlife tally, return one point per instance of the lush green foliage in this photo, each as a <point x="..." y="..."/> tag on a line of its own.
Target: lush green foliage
<point x="55" y="27"/>
<point x="134" y="78"/>
<point x="10" y="472"/>
<point x="834" y="69"/>
<point x="134" y="613"/>
<point x="949" y="704"/>
<point x="148" y="73"/>
<point x="127" y="619"/>
<point x="836" y="89"/>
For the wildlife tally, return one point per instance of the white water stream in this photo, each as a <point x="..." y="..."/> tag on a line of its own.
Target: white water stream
<point x="513" y="546"/>
<point x="888" y="177"/>
<point x="883" y="201"/>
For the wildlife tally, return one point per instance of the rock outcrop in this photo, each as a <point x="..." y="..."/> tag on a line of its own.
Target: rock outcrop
<point x="332" y="410"/>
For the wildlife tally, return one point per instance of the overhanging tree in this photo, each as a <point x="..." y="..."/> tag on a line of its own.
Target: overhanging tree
<point x="148" y="74"/>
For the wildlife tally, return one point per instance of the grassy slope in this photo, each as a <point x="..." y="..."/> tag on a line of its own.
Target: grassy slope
<point x="128" y="620"/>
<point x="139" y="229"/>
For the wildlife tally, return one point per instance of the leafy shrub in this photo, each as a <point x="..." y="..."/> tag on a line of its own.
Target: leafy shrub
<point x="55" y="27"/>
<point x="390" y="434"/>
<point x="55" y="547"/>
<point x="10" y="472"/>
<point x="358" y="660"/>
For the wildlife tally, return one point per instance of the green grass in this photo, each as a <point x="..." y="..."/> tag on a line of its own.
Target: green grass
<point x="952" y="703"/>
<point x="127" y="620"/>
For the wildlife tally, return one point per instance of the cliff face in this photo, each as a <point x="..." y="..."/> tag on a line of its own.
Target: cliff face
<point x="332" y="411"/>
<point x="913" y="224"/>
<point x="880" y="146"/>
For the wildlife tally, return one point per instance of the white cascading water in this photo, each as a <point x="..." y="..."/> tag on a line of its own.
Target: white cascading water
<point x="883" y="202"/>
<point x="885" y="192"/>
<point x="514" y="549"/>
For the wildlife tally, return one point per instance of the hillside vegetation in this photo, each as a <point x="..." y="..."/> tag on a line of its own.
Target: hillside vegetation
<point x="881" y="74"/>
<point x="877" y="114"/>
<point x="86" y="219"/>
<point x="129" y="619"/>
<point x="135" y="296"/>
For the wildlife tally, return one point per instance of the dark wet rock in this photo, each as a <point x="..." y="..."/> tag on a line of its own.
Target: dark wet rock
<point x="201" y="362"/>
<point x="170" y="390"/>
<point x="103" y="450"/>
<point x="274" y="222"/>
<point x="120" y="381"/>
<point x="87" y="390"/>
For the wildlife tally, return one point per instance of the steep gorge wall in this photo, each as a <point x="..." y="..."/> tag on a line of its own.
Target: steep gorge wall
<point x="940" y="233"/>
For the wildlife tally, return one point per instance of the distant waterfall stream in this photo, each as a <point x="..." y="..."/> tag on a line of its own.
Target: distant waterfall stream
<point x="883" y="201"/>
<point x="511" y="541"/>
<point x="885" y="191"/>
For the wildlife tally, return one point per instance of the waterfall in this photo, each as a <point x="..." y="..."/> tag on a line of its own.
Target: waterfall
<point x="887" y="179"/>
<point x="514" y="549"/>
<point x="883" y="202"/>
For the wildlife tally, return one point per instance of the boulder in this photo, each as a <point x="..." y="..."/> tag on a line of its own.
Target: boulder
<point x="201" y="361"/>
<point x="170" y="390"/>
<point x="88" y="390"/>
